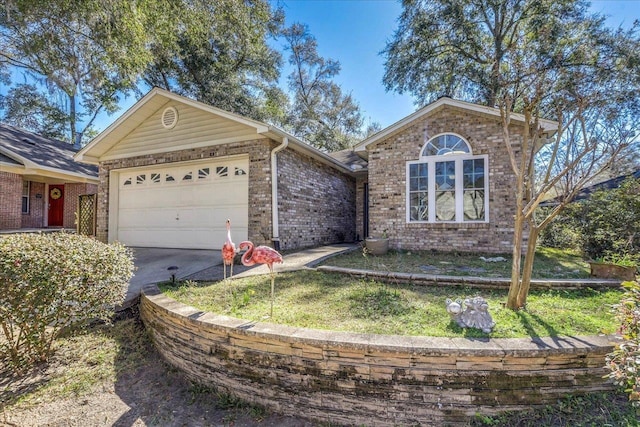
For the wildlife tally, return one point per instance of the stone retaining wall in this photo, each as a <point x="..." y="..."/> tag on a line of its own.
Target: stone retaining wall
<point x="476" y="282"/>
<point x="372" y="380"/>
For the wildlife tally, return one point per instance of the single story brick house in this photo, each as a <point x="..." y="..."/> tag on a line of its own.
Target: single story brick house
<point x="441" y="179"/>
<point x="172" y="170"/>
<point x="40" y="183"/>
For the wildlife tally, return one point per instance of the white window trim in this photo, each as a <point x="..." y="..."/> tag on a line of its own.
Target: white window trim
<point x="459" y="187"/>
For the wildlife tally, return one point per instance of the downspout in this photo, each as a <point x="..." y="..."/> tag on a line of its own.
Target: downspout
<point x="274" y="193"/>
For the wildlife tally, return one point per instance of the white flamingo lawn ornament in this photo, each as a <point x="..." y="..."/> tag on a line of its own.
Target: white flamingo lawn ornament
<point x="261" y="255"/>
<point x="229" y="251"/>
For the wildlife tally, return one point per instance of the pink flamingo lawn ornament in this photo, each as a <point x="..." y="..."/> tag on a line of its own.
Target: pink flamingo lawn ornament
<point x="229" y="251"/>
<point x="261" y="255"/>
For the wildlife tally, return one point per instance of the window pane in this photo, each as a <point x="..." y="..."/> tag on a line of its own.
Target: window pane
<point x="445" y="206"/>
<point x="474" y="205"/>
<point x="413" y="184"/>
<point x="418" y="196"/>
<point x="419" y="207"/>
<point x="445" y="144"/>
<point x="203" y="173"/>
<point x="222" y="171"/>
<point x="471" y="199"/>
<point x="473" y="174"/>
<point x="445" y="175"/>
<point x="26" y="185"/>
<point x="422" y="184"/>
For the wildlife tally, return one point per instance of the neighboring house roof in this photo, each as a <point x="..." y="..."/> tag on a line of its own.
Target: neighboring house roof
<point x="548" y="126"/>
<point x="609" y="184"/>
<point x="27" y="153"/>
<point x="99" y="148"/>
<point x="586" y="192"/>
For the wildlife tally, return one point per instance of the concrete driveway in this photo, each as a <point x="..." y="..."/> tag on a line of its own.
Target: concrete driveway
<point x="152" y="266"/>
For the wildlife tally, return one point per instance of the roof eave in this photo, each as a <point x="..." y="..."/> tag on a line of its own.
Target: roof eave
<point x="85" y="155"/>
<point x="311" y="151"/>
<point x="549" y="126"/>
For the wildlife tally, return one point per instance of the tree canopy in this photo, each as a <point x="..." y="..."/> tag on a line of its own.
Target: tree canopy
<point x="481" y="50"/>
<point x="321" y="113"/>
<point x="220" y="55"/>
<point x="77" y="57"/>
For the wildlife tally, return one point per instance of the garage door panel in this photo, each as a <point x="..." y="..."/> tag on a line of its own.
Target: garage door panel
<point x="184" y="206"/>
<point x="139" y="218"/>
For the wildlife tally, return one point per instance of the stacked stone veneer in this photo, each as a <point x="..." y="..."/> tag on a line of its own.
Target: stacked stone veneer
<point x="316" y="201"/>
<point x="387" y="184"/>
<point x="360" y="379"/>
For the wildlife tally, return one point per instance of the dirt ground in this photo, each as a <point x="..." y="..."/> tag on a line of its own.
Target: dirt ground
<point x="153" y="396"/>
<point x="150" y="393"/>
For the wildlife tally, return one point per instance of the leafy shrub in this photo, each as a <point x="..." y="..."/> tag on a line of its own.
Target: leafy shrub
<point x="52" y="281"/>
<point x="562" y="232"/>
<point x="624" y="362"/>
<point x="609" y="221"/>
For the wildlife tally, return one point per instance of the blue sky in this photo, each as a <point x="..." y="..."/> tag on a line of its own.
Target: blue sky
<point x="354" y="32"/>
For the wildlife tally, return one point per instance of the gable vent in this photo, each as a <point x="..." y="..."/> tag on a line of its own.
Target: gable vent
<point x="169" y="117"/>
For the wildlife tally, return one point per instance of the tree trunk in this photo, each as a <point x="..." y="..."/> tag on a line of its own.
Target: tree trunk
<point x="514" y="288"/>
<point x="527" y="269"/>
<point x="72" y="117"/>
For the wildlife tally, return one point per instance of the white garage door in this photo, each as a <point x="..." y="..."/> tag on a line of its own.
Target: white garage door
<point x="184" y="206"/>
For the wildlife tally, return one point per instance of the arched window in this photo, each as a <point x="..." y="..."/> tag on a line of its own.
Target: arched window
<point x="448" y="183"/>
<point x="445" y="144"/>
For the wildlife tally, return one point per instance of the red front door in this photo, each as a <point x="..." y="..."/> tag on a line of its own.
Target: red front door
<point x="56" y="205"/>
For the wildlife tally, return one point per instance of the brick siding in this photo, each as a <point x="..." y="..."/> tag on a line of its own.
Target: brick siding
<point x="297" y="228"/>
<point x="72" y="191"/>
<point x="360" y="192"/>
<point x="10" y="201"/>
<point x="37" y="208"/>
<point x="387" y="185"/>
<point x="11" y="216"/>
<point x="316" y="202"/>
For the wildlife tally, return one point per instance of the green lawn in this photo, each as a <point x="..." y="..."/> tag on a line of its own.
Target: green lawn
<point x="342" y="303"/>
<point x="549" y="263"/>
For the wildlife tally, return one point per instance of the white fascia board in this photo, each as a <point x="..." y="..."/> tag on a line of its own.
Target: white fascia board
<point x="12" y="168"/>
<point x="86" y="159"/>
<point x="18" y="158"/>
<point x="63" y="175"/>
